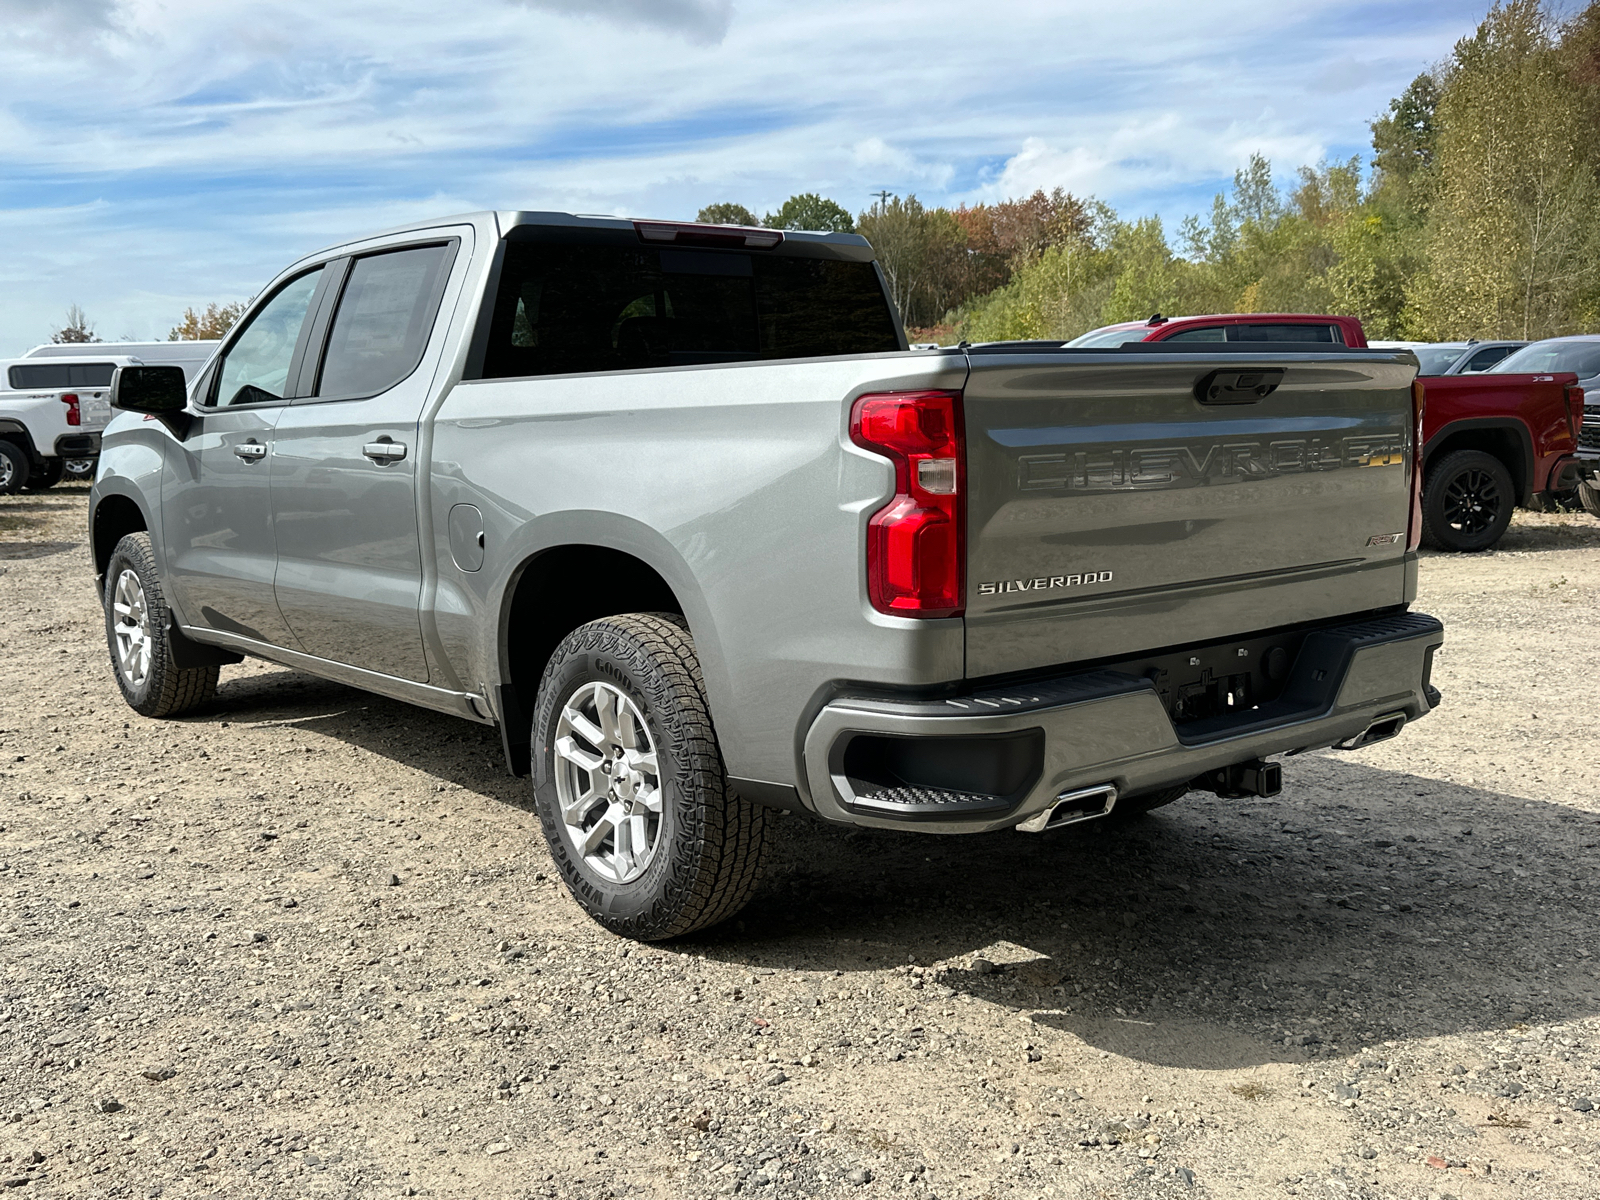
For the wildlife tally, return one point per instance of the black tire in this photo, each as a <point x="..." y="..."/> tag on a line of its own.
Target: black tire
<point x="1467" y="502"/>
<point x="13" y="468"/>
<point x="1589" y="497"/>
<point x="42" y="480"/>
<point x="162" y="690"/>
<point x="709" y="842"/>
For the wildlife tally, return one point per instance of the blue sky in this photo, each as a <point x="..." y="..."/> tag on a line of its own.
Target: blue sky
<point x="161" y="153"/>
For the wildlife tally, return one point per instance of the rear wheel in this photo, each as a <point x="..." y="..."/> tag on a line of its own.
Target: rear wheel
<point x="629" y="782"/>
<point x="1589" y="497"/>
<point x="13" y="468"/>
<point x="48" y="477"/>
<point x="137" y="620"/>
<point x="1466" y="502"/>
<point x="79" y="468"/>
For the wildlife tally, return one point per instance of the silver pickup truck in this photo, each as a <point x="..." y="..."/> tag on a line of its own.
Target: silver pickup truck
<point x="677" y="509"/>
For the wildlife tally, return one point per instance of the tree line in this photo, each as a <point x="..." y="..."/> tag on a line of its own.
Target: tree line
<point x="1476" y="217"/>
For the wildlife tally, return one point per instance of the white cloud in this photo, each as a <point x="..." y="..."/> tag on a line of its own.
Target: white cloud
<point x="213" y="143"/>
<point x="698" y="20"/>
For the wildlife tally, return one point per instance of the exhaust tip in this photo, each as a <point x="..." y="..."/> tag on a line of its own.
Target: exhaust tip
<point x="1381" y="730"/>
<point x="1071" y="807"/>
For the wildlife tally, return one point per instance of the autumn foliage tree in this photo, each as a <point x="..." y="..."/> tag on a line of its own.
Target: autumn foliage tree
<point x="209" y="325"/>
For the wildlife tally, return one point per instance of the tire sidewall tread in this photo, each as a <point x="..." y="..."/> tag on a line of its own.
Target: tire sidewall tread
<point x="711" y="841"/>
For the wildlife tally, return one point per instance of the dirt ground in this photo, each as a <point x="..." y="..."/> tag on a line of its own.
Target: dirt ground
<point x="309" y="943"/>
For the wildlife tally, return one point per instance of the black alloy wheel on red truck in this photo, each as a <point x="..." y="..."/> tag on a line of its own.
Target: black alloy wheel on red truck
<point x="1467" y="502"/>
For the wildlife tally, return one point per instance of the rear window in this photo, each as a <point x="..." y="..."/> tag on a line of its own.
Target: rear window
<point x="49" y="376"/>
<point x="1581" y="358"/>
<point x="1279" y="332"/>
<point x="564" y="308"/>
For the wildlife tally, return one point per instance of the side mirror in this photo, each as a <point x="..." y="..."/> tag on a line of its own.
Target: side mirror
<point x="155" y="390"/>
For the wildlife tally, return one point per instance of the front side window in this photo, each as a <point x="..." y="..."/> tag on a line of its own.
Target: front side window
<point x="1484" y="359"/>
<point x="384" y="318"/>
<point x="255" y="368"/>
<point x="565" y="308"/>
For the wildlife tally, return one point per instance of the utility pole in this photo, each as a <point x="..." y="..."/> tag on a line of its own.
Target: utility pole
<point x="883" y="199"/>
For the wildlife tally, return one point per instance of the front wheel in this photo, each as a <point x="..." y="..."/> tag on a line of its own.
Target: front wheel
<point x="1466" y="502"/>
<point x="137" y="619"/>
<point x="629" y="782"/>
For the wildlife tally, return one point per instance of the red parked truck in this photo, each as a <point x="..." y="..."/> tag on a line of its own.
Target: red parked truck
<point x="1490" y="442"/>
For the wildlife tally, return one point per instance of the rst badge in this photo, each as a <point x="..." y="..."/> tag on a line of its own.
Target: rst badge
<point x="1042" y="583"/>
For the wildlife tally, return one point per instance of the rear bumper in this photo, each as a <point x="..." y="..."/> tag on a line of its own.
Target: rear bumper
<point x="993" y="758"/>
<point x="78" y="445"/>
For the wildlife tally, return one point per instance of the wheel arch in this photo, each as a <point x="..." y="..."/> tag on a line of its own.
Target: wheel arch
<point x="115" y="515"/>
<point x="1507" y="440"/>
<point x="579" y="568"/>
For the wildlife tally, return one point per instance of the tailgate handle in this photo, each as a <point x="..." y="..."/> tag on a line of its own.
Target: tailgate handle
<point x="1234" y="386"/>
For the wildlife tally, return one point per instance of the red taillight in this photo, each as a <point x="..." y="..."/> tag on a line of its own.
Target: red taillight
<point x="74" y="417"/>
<point x="1419" y="405"/>
<point x="916" y="543"/>
<point x="1575" y="399"/>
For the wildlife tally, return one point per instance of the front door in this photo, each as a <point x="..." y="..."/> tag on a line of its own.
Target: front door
<point x="216" y="505"/>
<point x="344" y="470"/>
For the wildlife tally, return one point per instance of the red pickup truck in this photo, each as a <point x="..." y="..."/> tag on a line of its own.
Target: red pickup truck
<point x="1490" y="442"/>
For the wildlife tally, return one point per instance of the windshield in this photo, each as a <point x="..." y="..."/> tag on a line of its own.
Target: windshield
<point x="1581" y="358"/>
<point x="1436" y="360"/>
<point x="1111" y="335"/>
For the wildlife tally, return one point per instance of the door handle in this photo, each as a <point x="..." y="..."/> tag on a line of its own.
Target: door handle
<point x="250" y="451"/>
<point x="384" y="451"/>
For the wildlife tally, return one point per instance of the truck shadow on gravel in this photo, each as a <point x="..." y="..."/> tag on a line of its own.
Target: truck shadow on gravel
<point x="1362" y="905"/>
<point x="1359" y="906"/>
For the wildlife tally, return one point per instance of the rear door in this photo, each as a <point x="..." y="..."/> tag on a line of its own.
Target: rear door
<point x="1114" y="509"/>
<point x="344" y="468"/>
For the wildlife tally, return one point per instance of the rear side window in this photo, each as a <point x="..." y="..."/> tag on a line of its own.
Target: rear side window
<point x="1208" y="333"/>
<point x="564" y="308"/>
<point x="383" y="321"/>
<point x="49" y="376"/>
<point x="1285" y="333"/>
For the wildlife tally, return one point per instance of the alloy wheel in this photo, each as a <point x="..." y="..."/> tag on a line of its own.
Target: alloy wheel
<point x="131" y="627"/>
<point x="608" y="782"/>
<point x="1472" y="501"/>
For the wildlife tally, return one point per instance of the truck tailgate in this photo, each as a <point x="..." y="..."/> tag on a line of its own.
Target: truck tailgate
<point x="1111" y="512"/>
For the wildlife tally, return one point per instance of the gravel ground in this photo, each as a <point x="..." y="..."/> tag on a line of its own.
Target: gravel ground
<point x="309" y="943"/>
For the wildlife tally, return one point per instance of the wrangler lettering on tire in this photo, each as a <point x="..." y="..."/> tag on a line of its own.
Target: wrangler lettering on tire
<point x="629" y="782"/>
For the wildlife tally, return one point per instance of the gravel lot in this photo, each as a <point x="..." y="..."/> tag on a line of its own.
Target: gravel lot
<point x="309" y="943"/>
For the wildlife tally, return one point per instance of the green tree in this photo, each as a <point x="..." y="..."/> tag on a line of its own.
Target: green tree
<point x="811" y="211"/>
<point x="1511" y="247"/>
<point x="211" y="324"/>
<point x="727" y="214"/>
<point x="921" y="251"/>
